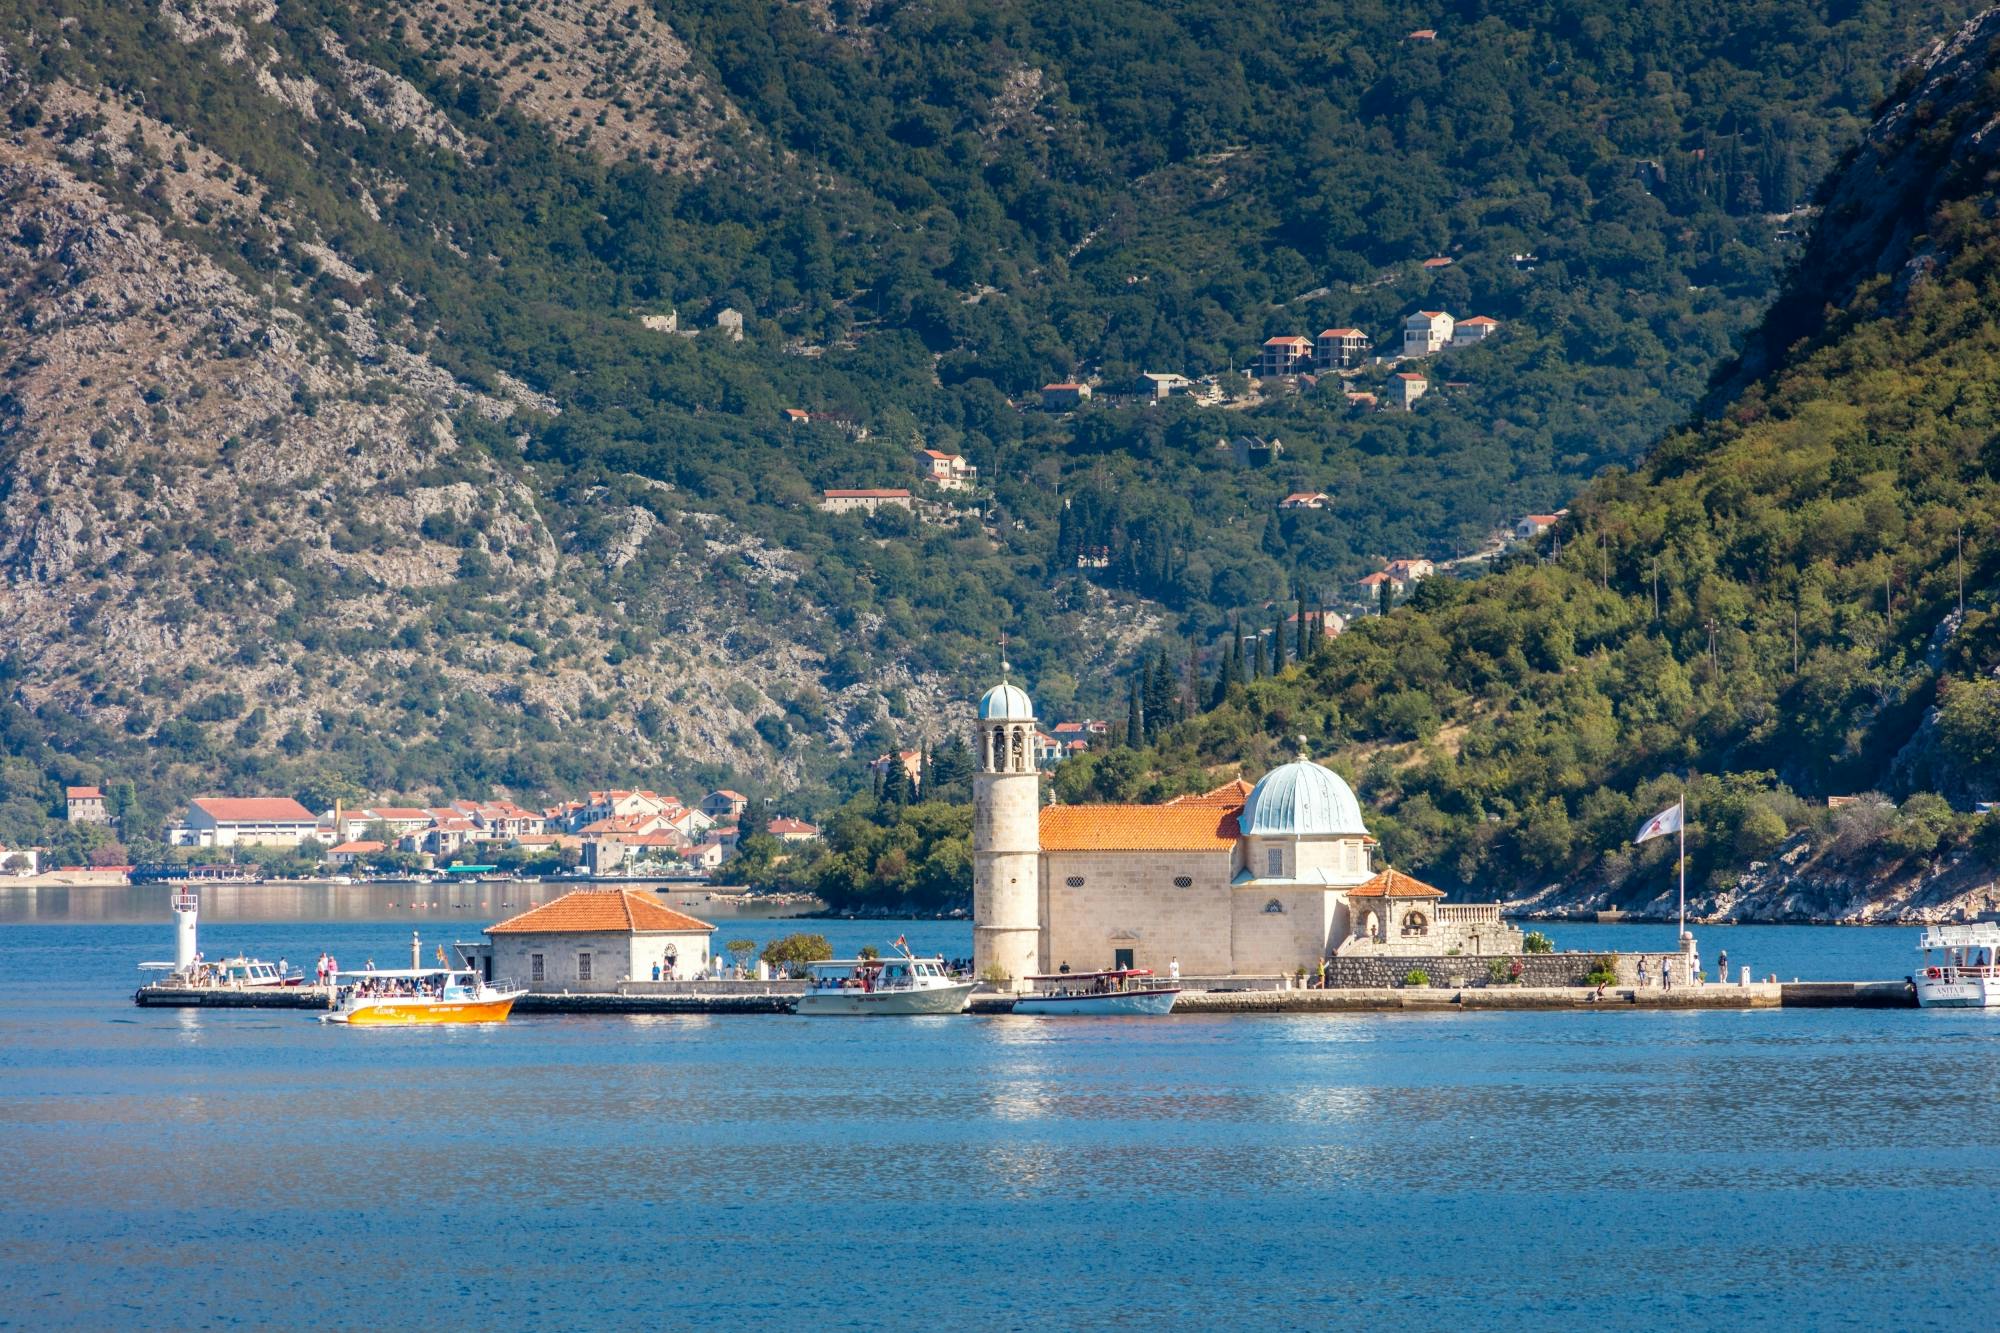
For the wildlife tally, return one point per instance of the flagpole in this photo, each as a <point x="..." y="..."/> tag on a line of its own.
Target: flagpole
<point x="1681" y="942"/>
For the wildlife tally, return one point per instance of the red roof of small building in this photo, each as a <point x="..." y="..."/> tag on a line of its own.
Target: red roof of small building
<point x="254" y="809"/>
<point x="598" y="911"/>
<point x="1292" y="340"/>
<point x="1478" y="319"/>
<point x="940" y="455"/>
<point x="82" y="794"/>
<point x="1411" y="375"/>
<point x="1439" y="262"/>
<point x="869" y="493"/>
<point x="356" y="848"/>
<point x="732" y="795"/>
<point x="1423" y="35"/>
<point x="1341" y="333"/>
<point x="1394" y="884"/>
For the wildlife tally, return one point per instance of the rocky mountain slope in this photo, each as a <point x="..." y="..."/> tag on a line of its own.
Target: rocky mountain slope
<point x="337" y="454"/>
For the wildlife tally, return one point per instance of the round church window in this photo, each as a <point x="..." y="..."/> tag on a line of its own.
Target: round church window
<point x="1183" y="881"/>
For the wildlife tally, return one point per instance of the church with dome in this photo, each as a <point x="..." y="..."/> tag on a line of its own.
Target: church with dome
<point x="1243" y="880"/>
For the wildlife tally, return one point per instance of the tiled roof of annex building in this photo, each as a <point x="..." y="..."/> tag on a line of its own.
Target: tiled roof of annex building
<point x="598" y="911"/>
<point x="1394" y="884"/>
<point x="1229" y="796"/>
<point x="1137" y="828"/>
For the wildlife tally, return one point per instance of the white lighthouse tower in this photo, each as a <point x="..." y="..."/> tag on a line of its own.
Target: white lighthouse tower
<point x="187" y="912"/>
<point x="1006" y="836"/>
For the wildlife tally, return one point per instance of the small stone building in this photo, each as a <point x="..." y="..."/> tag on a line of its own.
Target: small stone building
<point x="1393" y="915"/>
<point x="592" y="940"/>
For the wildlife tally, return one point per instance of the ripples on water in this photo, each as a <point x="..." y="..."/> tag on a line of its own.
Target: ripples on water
<point x="182" y="1169"/>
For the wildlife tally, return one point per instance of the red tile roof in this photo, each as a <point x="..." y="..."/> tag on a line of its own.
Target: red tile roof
<point x="788" y="825"/>
<point x="1410" y="375"/>
<point x="598" y="911"/>
<point x="1341" y="333"/>
<point x="1477" y="319"/>
<point x="869" y="493"/>
<point x="82" y="794"/>
<point x="353" y="848"/>
<point x="1394" y="884"/>
<point x="1229" y="796"/>
<point x="254" y="809"/>
<point x="1137" y="828"/>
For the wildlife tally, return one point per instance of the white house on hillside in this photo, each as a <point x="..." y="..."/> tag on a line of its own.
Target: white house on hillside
<point x="1427" y="332"/>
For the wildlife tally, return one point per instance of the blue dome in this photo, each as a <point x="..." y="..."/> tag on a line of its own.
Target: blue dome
<point x="1006" y="702"/>
<point x="1302" y="799"/>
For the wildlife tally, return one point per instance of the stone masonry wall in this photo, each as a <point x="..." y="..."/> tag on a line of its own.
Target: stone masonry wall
<point x="1454" y="971"/>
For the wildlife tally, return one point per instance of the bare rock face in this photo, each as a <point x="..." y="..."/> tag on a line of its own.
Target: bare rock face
<point x="208" y="494"/>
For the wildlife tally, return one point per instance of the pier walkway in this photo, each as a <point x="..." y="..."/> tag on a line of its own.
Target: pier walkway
<point x="736" y="998"/>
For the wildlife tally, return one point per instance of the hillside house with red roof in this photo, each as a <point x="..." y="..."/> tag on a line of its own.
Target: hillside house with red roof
<point x="1405" y="387"/>
<point x="85" y="805"/>
<point x="1286" y="354"/>
<point x="1426" y="333"/>
<point x="1475" y="330"/>
<point x="949" y="472"/>
<point x="594" y="941"/>
<point x="1340" y="349"/>
<point x="866" y="499"/>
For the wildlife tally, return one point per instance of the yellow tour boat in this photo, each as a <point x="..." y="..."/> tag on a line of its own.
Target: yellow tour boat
<point x="409" y="996"/>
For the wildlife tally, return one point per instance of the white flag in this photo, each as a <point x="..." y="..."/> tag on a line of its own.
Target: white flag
<point x="1660" y="825"/>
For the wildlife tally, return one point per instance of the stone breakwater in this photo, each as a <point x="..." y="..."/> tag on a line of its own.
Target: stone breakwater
<point x="1456" y="970"/>
<point x="1261" y="1000"/>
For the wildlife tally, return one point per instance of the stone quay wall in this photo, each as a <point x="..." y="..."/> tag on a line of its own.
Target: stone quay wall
<point x="1457" y="971"/>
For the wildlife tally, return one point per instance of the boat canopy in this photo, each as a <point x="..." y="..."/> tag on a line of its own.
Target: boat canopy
<point x="406" y="973"/>
<point x="1980" y="934"/>
<point x="1085" y="976"/>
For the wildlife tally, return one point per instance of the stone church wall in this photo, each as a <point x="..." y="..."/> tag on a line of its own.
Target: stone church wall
<point x="1133" y="900"/>
<point x="1456" y="970"/>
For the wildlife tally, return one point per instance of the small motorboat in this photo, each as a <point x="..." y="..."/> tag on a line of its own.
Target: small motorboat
<point x="1961" y="967"/>
<point x="1128" y="991"/>
<point x="883" y="986"/>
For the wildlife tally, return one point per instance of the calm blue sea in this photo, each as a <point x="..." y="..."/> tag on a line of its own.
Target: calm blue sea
<point x="1794" y="1169"/>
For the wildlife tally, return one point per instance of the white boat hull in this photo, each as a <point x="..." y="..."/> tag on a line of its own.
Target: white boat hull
<point x="950" y="999"/>
<point x="1115" y="1004"/>
<point x="1958" y="992"/>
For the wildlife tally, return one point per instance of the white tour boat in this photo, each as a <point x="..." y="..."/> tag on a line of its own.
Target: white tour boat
<point x="905" y="985"/>
<point x="1125" y="990"/>
<point x="1965" y="971"/>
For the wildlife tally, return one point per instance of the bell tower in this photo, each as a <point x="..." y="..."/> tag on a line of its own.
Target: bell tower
<point x="1006" y="836"/>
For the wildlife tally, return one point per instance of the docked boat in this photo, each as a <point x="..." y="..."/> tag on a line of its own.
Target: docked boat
<point x="1129" y="991"/>
<point x="416" y="996"/>
<point x="905" y="985"/>
<point x="1961" y="967"/>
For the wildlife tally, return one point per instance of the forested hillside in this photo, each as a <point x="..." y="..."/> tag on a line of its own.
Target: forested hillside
<point x="336" y="455"/>
<point x="1793" y="600"/>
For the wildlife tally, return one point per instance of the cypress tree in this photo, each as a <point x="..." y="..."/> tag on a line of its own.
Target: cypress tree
<point x="1299" y="648"/>
<point x="1257" y="661"/>
<point x="1135" y="722"/>
<point x="1385" y="597"/>
<point x="1277" y="640"/>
